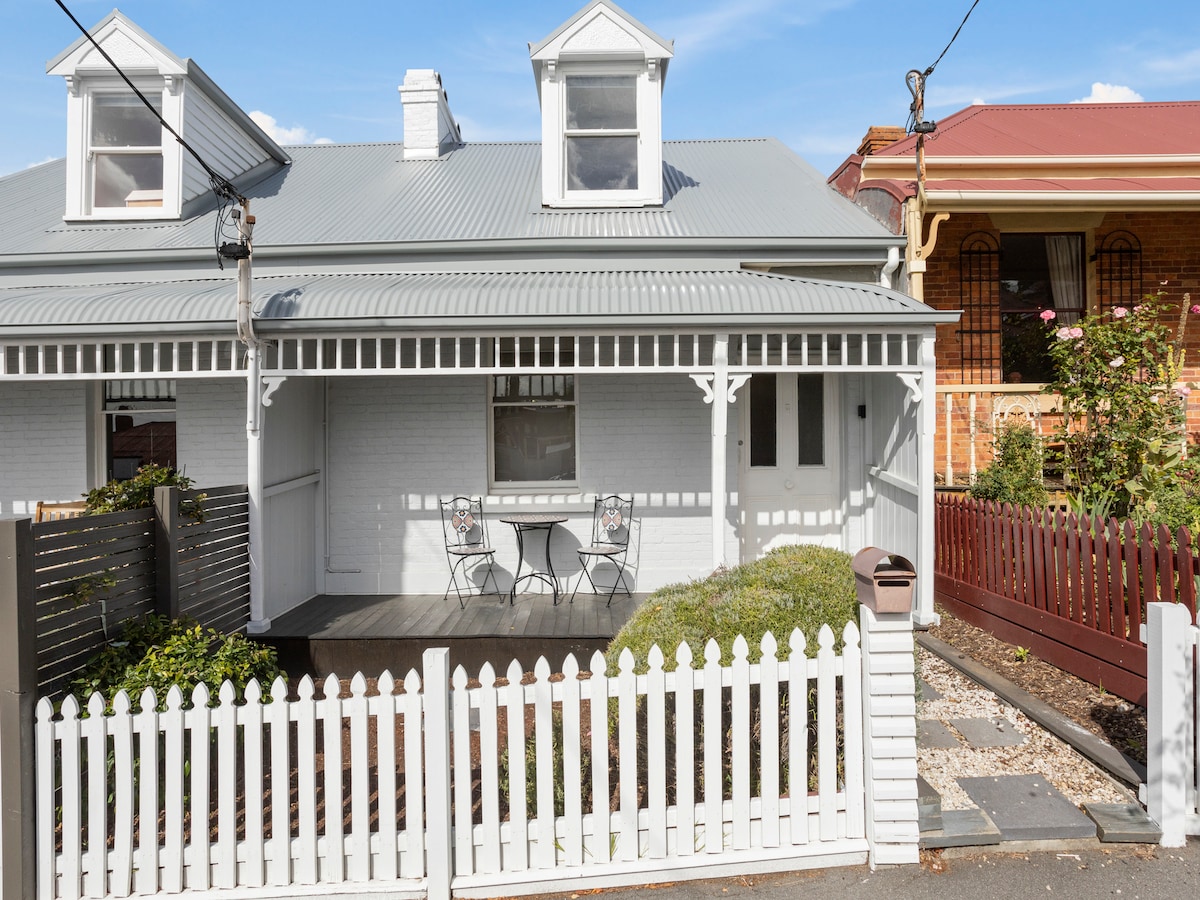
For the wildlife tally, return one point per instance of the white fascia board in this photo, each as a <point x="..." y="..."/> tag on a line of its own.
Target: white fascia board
<point x="998" y="201"/>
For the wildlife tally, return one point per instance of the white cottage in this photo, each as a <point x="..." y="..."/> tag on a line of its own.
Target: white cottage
<point x="703" y="325"/>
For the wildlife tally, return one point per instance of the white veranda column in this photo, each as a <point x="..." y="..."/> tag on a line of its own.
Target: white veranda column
<point x="254" y="489"/>
<point x="927" y="419"/>
<point x="719" y="390"/>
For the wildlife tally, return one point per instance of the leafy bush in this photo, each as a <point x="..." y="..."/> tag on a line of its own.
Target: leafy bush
<point x="1118" y="376"/>
<point x="138" y="492"/>
<point x="158" y="652"/>
<point x="1015" y="475"/>
<point x="791" y="587"/>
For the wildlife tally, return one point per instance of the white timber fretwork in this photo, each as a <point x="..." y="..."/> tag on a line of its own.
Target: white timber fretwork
<point x="371" y="354"/>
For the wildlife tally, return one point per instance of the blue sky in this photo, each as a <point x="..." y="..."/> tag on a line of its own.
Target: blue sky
<point x="814" y="73"/>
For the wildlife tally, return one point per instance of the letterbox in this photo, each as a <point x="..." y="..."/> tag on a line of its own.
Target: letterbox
<point x="884" y="580"/>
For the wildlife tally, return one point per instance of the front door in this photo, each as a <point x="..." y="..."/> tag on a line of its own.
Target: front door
<point x="788" y="452"/>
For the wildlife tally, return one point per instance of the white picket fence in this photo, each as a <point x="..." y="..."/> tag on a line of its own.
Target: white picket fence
<point x="696" y="772"/>
<point x="1172" y="784"/>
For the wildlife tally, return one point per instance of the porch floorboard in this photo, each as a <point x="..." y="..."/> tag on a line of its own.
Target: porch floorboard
<point x="343" y="634"/>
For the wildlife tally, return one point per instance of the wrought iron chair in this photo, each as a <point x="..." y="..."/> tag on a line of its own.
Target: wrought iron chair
<point x="611" y="521"/>
<point x="467" y="546"/>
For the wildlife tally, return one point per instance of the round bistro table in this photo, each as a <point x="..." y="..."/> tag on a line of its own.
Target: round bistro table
<point x="522" y="524"/>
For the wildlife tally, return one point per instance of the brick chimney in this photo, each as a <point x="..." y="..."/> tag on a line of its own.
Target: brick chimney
<point x="880" y="136"/>
<point x="429" y="126"/>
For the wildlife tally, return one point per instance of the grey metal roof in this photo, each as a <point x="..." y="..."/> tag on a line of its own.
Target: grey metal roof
<point x="740" y="193"/>
<point x="603" y="299"/>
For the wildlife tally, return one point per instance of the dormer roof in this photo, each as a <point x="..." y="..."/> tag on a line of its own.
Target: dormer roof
<point x="600" y="30"/>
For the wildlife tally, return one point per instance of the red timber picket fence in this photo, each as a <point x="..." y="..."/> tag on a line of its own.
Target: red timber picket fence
<point x="445" y="784"/>
<point x="1074" y="590"/>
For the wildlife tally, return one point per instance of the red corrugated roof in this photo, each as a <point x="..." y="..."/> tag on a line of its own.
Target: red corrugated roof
<point x="1067" y="129"/>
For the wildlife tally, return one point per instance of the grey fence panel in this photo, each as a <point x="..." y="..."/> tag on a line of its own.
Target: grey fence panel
<point x="92" y="575"/>
<point x="212" y="559"/>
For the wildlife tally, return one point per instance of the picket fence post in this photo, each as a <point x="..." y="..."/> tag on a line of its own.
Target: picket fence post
<point x="1170" y="719"/>
<point x="435" y="702"/>
<point x="889" y="724"/>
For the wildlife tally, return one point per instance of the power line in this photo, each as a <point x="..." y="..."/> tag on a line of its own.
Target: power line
<point x="929" y="71"/>
<point x="221" y="185"/>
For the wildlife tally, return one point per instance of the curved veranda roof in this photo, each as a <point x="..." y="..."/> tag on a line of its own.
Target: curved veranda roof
<point x="446" y="300"/>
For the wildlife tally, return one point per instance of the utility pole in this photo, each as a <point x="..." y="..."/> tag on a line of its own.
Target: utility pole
<point x="918" y="249"/>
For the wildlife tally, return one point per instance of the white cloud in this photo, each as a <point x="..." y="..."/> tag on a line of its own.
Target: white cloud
<point x="734" y="23"/>
<point x="297" y="134"/>
<point x="1111" y="93"/>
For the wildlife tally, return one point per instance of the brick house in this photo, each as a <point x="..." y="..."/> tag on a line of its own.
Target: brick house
<point x="702" y="324"/>
<point x="1072" y="207"/>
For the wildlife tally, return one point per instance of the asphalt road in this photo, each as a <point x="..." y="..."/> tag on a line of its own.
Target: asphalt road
<point x="1118" y="870"/>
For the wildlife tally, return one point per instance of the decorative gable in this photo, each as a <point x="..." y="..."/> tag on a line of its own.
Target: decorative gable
<point x="121" y="162"/>
<point x="600" y="77"/>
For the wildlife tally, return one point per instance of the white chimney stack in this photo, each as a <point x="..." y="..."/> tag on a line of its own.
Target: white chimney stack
<point x="429" y="126"/>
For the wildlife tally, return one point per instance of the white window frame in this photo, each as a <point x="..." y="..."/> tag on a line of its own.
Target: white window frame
<point x="498" y="488"/>
<point x="648" y="132"/>
<point x="81" y="156"/>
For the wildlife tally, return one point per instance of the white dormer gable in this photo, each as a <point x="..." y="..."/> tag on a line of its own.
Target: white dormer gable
<point x="121" y="162"/>
<point x="600" y="77"/>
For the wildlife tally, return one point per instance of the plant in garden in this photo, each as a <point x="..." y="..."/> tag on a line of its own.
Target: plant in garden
<point x="1117" y="375"/>
<point x="802" y="586"/>
<point x="138" y="492"/>
<point x="1015" y="475"/>
<point x="158" y="652"/>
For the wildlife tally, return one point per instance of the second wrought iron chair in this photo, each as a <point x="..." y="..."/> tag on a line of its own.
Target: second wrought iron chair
<point x="612" y="518"/>
<point x="467" y="546"/>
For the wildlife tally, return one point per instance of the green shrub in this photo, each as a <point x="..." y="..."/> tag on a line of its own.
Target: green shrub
<point x="1015" y="475"/>
<point x="802" y="586"/>
<point x="138" y="492"/>
<point x="158" y="652"/>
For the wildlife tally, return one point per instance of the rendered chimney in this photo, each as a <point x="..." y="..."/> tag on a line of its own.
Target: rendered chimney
<point x="880" y="136"/>
<point x="429" y="126"/>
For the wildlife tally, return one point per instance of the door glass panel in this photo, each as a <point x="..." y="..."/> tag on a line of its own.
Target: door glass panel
<point x="810" y="420"/>
<point x="762" y="421"/>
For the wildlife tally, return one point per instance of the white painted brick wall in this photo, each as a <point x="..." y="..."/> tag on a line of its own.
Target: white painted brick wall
<point x="397" y="445"/>
<point x="210" y="430"/>
<point x="43" y="444"/>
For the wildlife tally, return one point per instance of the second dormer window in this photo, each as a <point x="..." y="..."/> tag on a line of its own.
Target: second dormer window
<point x="125" y="153"/>
<point x="601" y="133"/>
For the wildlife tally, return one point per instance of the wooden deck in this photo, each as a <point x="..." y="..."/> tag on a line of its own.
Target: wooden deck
<point x="370" y="633"/>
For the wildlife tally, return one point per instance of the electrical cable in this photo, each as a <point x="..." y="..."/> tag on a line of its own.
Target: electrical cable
<point x="929" y="71"/>
<point x="220" y="185"/>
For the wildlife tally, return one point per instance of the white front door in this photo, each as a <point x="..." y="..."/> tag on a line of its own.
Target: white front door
<point x="791" y="484"/>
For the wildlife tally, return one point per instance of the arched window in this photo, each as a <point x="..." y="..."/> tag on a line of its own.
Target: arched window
<point x="1118" y="270"/>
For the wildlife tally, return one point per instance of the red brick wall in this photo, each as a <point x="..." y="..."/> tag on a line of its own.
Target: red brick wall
<point x="1170" y="263"/>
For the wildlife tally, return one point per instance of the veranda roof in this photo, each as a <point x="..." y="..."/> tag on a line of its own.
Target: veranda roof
<point x="447" y="300"/>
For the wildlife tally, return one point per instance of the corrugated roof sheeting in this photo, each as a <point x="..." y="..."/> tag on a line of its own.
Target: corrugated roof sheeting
<point x="1067" y="129"/>
<point x="365" y="193"/>
<point x="619" y="297"/>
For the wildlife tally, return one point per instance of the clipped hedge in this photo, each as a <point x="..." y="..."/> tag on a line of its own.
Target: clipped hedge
<point x="803" y="586"/>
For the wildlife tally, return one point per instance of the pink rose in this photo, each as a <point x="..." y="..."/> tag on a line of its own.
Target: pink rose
<point x="1047" y="315"/>
<point x="1195" y="309"/>
<point x="1183" y="390"/>
<point x="1120" y="312"/>
<point x="1076" y="332"/>
<point x="1063" y="333"/>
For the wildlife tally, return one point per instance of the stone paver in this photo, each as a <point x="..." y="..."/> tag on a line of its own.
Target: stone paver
<point x="1027" y="808"/>
<point x="996" y="732"/>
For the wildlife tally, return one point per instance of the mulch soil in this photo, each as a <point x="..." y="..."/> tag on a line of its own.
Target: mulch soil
<point x="1119" y="722"/>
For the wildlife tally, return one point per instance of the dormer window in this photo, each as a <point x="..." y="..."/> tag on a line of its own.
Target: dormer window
<point x="122" y="163"/>
<point x="600" y="79"/>
<point x="125" y="153"/>
<point x="601" y="133"/>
